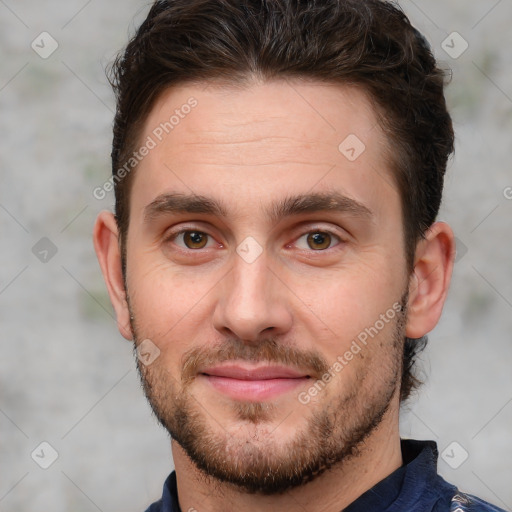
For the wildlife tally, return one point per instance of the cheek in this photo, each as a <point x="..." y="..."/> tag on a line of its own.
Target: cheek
<point x="346" y="303"/>
<point x="168" y="304"/>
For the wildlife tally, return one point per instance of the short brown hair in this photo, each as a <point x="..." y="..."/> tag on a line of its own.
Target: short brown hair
<point x="369" y="44"/>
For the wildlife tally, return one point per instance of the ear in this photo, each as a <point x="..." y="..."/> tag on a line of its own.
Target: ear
<point x="429" y="282"/>
<point x="106" y="244"/>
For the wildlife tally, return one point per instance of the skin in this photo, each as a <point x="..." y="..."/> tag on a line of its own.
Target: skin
<point x="249" y="148"/>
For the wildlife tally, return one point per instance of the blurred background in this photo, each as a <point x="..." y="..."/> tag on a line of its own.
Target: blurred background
<point x="68" y="379"/>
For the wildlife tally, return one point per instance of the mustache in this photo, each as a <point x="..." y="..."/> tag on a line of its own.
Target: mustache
<point x="267" y="350"/>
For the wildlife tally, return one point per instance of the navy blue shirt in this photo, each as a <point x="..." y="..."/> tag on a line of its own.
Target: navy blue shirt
<point x="415" y="486"/>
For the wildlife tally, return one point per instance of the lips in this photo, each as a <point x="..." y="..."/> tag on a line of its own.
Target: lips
<point x="253" y="383"/>
<point x="247" y="373"/>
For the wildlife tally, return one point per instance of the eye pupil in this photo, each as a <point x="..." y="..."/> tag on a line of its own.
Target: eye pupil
<point x="319" y="240"/>
<point x="194" y="239"/>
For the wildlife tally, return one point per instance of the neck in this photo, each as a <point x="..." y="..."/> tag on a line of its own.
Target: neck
<point x="332" y="491"/>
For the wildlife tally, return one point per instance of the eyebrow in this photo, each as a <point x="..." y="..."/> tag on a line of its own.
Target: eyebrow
<point x="317" y="202"/>
<point x="287" y="207"/>
<point x="181" y="203"/>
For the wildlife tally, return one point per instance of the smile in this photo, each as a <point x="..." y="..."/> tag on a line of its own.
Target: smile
<point x="253" y="384"/>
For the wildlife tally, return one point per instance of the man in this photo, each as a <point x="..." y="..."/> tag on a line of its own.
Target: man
<point x="274" y="254"/>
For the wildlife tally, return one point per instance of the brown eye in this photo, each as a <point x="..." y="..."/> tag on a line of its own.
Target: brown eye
<point x="195" y="239"/>
<point x="318" y="241"/>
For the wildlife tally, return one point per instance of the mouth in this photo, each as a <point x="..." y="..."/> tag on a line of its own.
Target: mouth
<point x="247" y="383"/>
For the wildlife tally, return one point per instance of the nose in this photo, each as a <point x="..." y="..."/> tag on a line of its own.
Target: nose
<point x="253" y="302"/>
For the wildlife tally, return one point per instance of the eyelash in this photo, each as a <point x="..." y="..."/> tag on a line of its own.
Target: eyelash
<point x="334" y="236"/>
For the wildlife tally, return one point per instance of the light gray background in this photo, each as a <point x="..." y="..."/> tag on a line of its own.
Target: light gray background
<point x="68" y="378"/>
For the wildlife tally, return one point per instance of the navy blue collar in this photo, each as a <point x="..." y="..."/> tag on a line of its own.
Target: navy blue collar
<point x="414" y="486"/>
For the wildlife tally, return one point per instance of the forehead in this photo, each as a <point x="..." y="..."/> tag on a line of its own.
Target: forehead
<point x="261" y="140"/>
<point x="294" y="111"/>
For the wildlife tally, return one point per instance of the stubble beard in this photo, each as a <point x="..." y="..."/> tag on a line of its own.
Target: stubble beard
<point x="261" y="462"/>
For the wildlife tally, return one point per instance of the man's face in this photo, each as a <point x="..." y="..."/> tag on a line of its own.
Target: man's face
<point x="259" y="251"/>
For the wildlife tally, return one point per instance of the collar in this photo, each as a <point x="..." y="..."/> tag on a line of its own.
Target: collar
<point x="414" y="486"/>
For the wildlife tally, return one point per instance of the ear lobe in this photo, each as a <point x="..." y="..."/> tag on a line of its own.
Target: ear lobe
<point x="106" y="245"/>
<point x="429" y="283"/>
